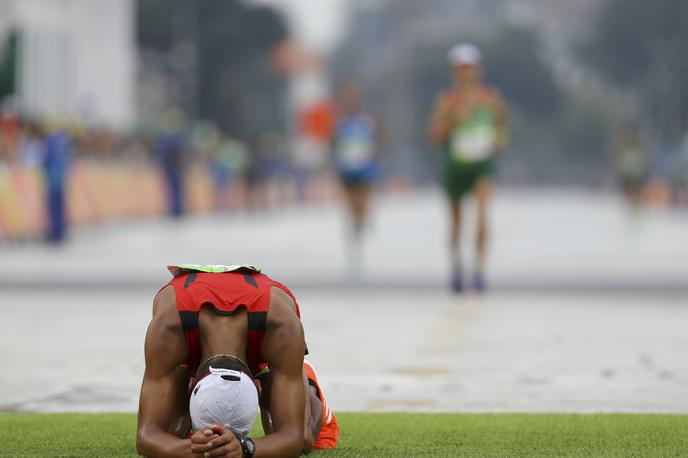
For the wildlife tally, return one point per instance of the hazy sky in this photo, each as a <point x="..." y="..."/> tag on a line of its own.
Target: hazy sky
<point x="317" y="22"/>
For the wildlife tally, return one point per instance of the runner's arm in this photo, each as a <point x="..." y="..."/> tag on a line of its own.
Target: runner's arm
<point x="284" y="350"/>
<point x="501" y="120"/>
<point x="381" y="137"/>
<point x="313" y="420"/>
<point x="163" y="393"/>
<point x="440" y="122"/>
<point x="265" y="384"/>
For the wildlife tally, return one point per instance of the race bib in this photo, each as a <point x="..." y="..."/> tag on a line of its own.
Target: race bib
<point x="355" y="142"/>
<point x="179" y="269"/>
<point x="473" y="143"/>
<point x="475" y="139"/>
<point x="355" y="152"/>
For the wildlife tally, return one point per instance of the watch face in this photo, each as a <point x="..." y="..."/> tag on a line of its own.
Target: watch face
<point x="249" y="446"/>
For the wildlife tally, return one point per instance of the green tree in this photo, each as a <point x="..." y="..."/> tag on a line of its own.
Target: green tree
<point x="513" y="61"/>
<point x="228" y="77"/>
<point x="8" y="66"/>
<point x="642" y="46"/>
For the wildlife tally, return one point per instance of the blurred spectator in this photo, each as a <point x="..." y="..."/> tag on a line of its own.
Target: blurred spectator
<point x="230" y="163"/>
<point x="56" y="159"/>
<point x="206" y="140"/>
<point x="171" y="146"/>
<point x="10" y="132"/>
<point x="97" y="142"/>
<point x="274" y="168"/>
<point x="254" y="180"/>
<point x="264" y="170"/>
<point x="32" y="147"/>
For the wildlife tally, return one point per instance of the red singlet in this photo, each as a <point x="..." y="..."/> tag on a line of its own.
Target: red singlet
<point x="225" y="293"/>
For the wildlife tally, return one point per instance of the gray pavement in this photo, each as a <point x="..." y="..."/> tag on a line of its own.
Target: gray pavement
<point x="588" y="311"/>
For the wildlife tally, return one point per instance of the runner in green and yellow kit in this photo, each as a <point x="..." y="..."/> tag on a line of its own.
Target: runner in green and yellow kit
<point x="469" y="123"/>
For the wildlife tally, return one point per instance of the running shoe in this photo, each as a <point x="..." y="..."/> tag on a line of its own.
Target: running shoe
<point x="329" y="434"/>
<point x="457" y="281"/>
<point x="479" y="282"/>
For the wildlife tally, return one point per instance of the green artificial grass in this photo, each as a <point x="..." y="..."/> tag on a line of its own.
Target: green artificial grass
<point x="386" y="435"/>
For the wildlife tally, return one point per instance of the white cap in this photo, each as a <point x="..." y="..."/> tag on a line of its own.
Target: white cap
<point x="464" y="54"/>
<point x="225" y="397"/>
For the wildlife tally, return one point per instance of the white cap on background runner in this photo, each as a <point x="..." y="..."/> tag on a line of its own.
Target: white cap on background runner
<point x="225" y="397"/>
<point x="464" y="54"/>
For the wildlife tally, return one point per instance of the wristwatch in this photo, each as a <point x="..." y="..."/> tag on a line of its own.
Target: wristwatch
<point x="248" y="447"/>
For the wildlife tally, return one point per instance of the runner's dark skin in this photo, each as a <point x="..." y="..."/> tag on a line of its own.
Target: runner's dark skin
<point x="292" y="419"/>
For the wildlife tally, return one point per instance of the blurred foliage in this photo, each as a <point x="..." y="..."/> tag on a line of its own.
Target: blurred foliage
<point x="224" y="48"/>
<point x="643" y="46"/>
<point x="514" y="63"/>
<point x="8" y="63"/>
<point x="630" y="35"/>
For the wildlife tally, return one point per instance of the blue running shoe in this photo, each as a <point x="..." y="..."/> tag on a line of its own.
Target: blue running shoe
<point x="479" y="282"/>
<point x="457" y="282"/>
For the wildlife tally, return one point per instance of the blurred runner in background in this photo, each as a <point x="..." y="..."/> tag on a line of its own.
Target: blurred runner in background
<point x="266" y="172"/>
<point x="356" y="147"/>
<point x="469" y="123"/>
<point x="681" y="186"/>
<point x="171" y="149"/>
<point x="631" y="162"/>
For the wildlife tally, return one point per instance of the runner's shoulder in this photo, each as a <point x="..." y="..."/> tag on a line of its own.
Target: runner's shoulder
<point x="492" y="95"/>
<point x="448" y="95"/>
<point x="442" y="98"/>
<point x="283" y="309"/>
<point x="165" y="345"/>
<point x="165" y="312"/>
<point x="284" y="337"/>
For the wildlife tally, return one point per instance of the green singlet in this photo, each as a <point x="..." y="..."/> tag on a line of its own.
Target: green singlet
<point x="470" y="152"/>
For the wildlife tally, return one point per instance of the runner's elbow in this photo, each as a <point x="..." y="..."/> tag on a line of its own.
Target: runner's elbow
<point x="293" y="446"/>
<point x="434" y="136"/>
<point x="143" y="444"/>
